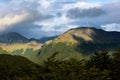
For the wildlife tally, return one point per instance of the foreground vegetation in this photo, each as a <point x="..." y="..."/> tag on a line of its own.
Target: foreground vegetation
<point x="100" y="66"/>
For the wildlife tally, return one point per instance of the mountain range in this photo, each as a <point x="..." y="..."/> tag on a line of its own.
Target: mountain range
<point x="75" y="43"/>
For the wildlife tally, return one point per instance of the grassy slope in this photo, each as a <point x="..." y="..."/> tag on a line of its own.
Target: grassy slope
<point x="29" y="53"/>
<point x="66" y="51"/>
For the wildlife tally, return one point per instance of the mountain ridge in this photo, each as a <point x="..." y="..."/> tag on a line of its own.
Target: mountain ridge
<point x="89" y="34"/>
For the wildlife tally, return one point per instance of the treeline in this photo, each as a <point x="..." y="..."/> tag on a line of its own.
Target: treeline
<point x="100" y="66"/>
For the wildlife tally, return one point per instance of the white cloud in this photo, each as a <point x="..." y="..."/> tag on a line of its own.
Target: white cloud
<point x="81" y="5"/>
<point x="111" y="27"/>
<point x="44" y="3"/>
<point x="59" y="7"/>
<point x="49" y="24"/>
<point x="7" y="21"/>
<point x="11" y="19"/>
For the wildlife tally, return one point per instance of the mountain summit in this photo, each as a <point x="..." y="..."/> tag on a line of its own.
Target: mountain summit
<point x="89" y="34"/>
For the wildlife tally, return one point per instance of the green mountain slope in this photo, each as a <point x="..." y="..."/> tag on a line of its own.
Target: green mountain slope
<point x="28" y="50"/>
<point x="79" y="42"/>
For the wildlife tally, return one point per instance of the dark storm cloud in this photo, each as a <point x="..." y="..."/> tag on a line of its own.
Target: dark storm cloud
<point x="78" y="13"/>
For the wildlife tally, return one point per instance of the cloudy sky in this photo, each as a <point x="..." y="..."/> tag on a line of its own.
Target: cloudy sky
<point x="39" y="18"/>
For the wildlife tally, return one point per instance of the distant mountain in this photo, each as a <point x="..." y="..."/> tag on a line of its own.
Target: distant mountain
<point x="44" y="39"/>
<point x="13" y="37"/>
<point x="80" y="42"/>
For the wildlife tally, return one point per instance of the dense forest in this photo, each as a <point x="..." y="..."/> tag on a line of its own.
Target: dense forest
<point x="100" y="66"/>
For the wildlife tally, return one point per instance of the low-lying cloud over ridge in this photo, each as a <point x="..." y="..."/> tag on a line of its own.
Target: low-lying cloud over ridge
<point x="111" y="27"/>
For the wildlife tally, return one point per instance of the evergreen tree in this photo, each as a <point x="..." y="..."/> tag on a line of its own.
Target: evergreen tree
<point x="100" y="60"/>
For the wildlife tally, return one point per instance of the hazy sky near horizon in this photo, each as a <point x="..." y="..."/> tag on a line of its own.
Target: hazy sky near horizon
<point x="38" y="18"/>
